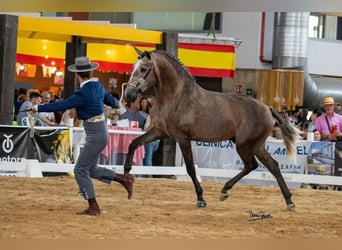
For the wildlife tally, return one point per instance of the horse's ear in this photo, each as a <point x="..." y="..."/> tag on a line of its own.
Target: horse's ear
<point x="139" y="52"/>
<point x="148" y="54"/>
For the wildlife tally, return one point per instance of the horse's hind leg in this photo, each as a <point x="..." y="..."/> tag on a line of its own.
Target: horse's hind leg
<point x="185" y="147"/>
<point x="250" y="164"/>
<point x="273" y="166"/>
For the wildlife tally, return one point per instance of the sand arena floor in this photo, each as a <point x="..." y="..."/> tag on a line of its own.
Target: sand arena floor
<point x="44" y="208"/>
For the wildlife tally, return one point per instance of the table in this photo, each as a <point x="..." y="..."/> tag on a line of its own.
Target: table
<point x="117" y="147"/>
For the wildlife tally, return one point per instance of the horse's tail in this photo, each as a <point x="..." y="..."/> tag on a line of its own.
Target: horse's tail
<point x="290" y="133"/>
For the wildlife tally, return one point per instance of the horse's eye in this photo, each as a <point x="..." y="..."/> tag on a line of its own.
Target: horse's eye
<point x="143" y="70"/>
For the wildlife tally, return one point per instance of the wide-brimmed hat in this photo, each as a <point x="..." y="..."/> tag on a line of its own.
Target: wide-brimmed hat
<point x="82" y="64"/>
<point x="328" y="101"/>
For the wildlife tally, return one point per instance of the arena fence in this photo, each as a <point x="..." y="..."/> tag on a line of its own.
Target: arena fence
<point x="33" y="168"/>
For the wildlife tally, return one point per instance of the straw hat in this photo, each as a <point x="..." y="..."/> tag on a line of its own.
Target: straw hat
<point x="328" y="101"/>
<point x="82" y="64"/>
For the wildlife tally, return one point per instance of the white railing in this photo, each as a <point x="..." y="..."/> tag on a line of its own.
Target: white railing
<point x="33" y="168"/>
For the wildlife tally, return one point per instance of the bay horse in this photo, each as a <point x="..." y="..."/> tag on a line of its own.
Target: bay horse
<point x="184" y="111"/>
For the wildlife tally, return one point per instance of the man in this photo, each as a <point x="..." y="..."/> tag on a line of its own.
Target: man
<point x="23" y="118"/>
<point x="89" y="103"/>
<point x="48" y="118"/>
<point x="329" y="123"/>
<point x="132" y="112"/>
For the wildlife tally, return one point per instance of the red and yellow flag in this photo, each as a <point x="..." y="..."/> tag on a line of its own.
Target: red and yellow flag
<point x="208" y="60"/>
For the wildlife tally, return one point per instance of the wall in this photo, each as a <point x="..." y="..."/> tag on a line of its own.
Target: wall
<point x="247" y="27"/>
<point x="247" y="78"/>
<point x="324" y="57"/>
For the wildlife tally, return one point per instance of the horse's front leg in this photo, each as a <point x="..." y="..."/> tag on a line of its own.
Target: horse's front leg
<point x="145" y="138"/>
<point x="190" y="168"/>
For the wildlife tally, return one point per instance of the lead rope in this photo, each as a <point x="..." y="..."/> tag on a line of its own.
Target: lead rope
<point x="31" y="122"/>
<point x="122" y="103"/>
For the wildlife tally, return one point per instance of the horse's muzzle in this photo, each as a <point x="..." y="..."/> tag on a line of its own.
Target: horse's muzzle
<point x="131" y="93"/>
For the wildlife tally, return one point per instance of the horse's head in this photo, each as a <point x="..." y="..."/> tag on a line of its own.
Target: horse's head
<point x="142" y="77"/>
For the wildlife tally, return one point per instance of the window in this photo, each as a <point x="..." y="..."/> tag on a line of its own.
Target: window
<point x="316" y="26"/>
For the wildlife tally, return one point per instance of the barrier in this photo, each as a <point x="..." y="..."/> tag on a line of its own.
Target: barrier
<point x="33" y="168"/>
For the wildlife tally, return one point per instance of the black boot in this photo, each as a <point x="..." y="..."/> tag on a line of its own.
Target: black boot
<point x="93" y="208"/>
<point x="127" y="181"/>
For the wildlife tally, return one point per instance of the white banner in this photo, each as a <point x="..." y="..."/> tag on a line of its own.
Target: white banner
<point x="223" y="155"/>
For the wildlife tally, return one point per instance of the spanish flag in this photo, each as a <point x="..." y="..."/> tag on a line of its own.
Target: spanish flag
<point x="208" y="60"/>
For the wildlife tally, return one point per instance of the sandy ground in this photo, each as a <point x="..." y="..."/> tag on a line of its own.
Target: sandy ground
<point x="44" y="208"/>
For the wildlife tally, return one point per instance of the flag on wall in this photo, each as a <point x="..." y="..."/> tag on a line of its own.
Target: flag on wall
<point x="208" y="60"/>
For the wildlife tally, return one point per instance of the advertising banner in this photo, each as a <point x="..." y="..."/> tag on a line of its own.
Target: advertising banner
<point x="46" y="145"/>
<point x="223" y="155"/>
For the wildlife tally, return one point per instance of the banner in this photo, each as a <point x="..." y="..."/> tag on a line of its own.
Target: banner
<point x="46" y="145"/>
<point x="223" y="155"/>
<point x="338" y="159"/>
<point x="321" y="158"/>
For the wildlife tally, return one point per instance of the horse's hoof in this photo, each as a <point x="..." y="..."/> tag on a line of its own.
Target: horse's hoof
<point x="201" y="204"/>
<point x="224" y="196"/>
<point x="291" y="207"/>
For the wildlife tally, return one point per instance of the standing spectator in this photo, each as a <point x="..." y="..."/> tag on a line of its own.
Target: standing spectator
<point x="144" y="105"/>
<point x="301" y="117"/>
<point x="150" y="147"/>
<point x="338" y="109"/>
<point x="329" y="123"/>
<point x="313" y="117"/>
<point x="317" y="135"/>
<point x="88" y="101"/>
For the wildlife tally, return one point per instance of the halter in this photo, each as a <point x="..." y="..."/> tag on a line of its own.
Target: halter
<point x="142" y="79"/>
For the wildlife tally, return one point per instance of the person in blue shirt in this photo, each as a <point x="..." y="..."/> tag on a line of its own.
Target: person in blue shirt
<point x="89" y="103"/>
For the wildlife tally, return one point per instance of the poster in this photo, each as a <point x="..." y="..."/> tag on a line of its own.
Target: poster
<point x="223" y="155"/>
<point x="46" y="145"/>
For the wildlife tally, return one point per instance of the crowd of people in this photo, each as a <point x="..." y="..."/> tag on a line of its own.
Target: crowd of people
<point x="324" y="122"/>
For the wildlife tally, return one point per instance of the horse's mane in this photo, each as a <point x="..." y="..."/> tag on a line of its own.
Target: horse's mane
<point x="176" y="60"/>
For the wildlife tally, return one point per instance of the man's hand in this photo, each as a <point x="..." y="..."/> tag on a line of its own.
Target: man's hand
<point x="34" y="108"/>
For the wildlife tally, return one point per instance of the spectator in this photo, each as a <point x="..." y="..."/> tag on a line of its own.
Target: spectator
<point x="313" y="117"/>
<point x="338" y="109"/>
<point x="144" y="105"/>
<point x="317" y="135"/>
<point x="23" y="118"/>
<point x="150" y="147"/>
<point x="132" y="112"/>
<point x="21" y="98"/>
<point x="48" y="118"/>
<point x="301" y="117"/>
<point x="329" y="123"/>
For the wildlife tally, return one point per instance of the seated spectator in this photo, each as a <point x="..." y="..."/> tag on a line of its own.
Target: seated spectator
<point x="48" y="118"/>
<point x="23" y="117"/>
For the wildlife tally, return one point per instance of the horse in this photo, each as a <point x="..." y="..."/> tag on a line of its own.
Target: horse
<point x="184" y="111"/>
